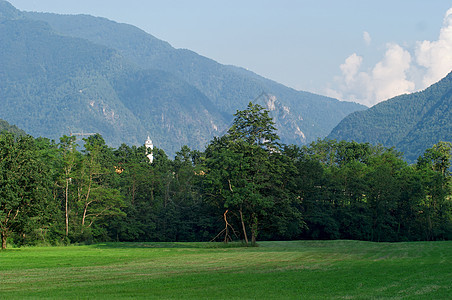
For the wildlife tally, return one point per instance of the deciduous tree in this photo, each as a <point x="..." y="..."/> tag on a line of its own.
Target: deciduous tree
<point x="23" y="184"/>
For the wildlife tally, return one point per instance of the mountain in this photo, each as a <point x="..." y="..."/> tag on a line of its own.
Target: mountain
<point x="52" y="85"/>
<point x="5" y="126"/>
<point x="9" y="12"/>
<point x="412" y="123"/>
<point x="72" y="73"/>
<point x="230" y="88"/>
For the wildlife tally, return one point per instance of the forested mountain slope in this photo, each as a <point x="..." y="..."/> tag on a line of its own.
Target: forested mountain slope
<point x="411" y="123"/>
<point x="228" y="87"/>
<point x="61" y="74"/>
<point x="52" y="85"/>
<point x="5" y="126"/>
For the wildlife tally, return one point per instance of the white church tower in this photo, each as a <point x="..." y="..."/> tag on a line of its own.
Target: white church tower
<point x="149" y="148"/>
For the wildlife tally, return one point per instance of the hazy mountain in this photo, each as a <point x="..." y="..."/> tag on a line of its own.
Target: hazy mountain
<point x="63" y="73"/>
<point x="411" y="123"/>
<point x="9" y="12"/>
<point x="229" y="88"/>
<point x="172" y="111"/>
<point x="5" y="126"/>
<point x="52" y="85"/>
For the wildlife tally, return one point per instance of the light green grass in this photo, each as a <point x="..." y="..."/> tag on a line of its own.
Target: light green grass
<point x="274" y="270"/>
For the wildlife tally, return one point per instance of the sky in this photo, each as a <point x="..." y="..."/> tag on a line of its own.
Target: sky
<point x="354" y="50"/>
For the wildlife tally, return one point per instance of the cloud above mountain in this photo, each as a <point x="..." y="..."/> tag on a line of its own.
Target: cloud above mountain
<point x="399" y="71"/>
<point x="436" y="56"/>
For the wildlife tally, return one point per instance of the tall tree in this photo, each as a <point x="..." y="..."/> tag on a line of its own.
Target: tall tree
<point x="96" y="198"/>
<point x="23" y="184"/>
<point x="69" y="158"/>
<point x="437" y="206"/>
<point x="240" y="167"/>
<point x="255" y="127"/>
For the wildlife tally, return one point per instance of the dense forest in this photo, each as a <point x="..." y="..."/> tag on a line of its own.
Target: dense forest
<point x="245" y="186"/>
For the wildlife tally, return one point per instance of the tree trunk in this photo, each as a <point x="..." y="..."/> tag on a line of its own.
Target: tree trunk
<point x="84" y="214"/>
<point x="133" y="189"/>
<point x="429" y="228"/>
<point x="3" y="241"/>
<point x="254" y="231"/>
<point x="243" y="227"/>
<point x="226" y="234"/>
<point x="66" y="206"/>
<point x="86" y="202"/>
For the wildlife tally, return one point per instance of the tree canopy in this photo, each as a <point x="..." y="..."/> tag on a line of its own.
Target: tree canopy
<point x="245" y="186"/>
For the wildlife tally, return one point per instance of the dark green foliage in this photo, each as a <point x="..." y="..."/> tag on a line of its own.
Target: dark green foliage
<point x="328" y="190"/>
<point x="370" y="193"/>
<point x="411" y="123"/>
<point x="245" y="184"/>
<point x="436" y="206"/>
<point x="246" y="175"/>
<point x="24" y="189"/>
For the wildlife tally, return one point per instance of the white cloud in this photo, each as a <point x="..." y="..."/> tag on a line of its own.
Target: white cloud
<point x="366" y="37"/>
<point x="398" y="72"/>
<point x="436" y="56"/>
<point x="387" y="79"/>
<point x="351" y="66"/>
<point x="389" y="76"/>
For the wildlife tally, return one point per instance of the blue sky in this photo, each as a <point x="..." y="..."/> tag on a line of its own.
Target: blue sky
<point x="358" y="50"/>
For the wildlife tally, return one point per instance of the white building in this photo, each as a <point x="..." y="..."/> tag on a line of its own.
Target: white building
<point x="149" y="148"/>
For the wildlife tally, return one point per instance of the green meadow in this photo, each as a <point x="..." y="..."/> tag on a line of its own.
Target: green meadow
<point x="273" y="270"/>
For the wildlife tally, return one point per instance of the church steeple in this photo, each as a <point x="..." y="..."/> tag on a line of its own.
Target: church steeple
<point x="149" y="148"/>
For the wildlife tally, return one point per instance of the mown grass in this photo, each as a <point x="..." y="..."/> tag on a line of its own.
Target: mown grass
<point x="274" y="270"/>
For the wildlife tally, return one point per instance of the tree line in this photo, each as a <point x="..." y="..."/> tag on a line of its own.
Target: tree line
<point x="245" y="186"/>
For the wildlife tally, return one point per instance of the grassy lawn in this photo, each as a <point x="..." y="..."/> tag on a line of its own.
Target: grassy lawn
<point x="274" y="270"/>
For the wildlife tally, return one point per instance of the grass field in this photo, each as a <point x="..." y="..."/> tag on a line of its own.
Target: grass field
<point x="274" y="270"/>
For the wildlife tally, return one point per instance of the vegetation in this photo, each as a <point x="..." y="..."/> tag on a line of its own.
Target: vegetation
<point x="412" y="123"/>
<point x="5" y="126"/>
<point x="246" y="186"/>
<point x="274" y="270"/>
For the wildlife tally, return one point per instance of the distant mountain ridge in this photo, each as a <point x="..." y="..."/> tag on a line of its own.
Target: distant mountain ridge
<point x="63" y="72"/>
<point x="228" y="87"/>
<point x="5" y="126"/>
<point x="411" y="123"/>
<point x="9" y="12"/>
